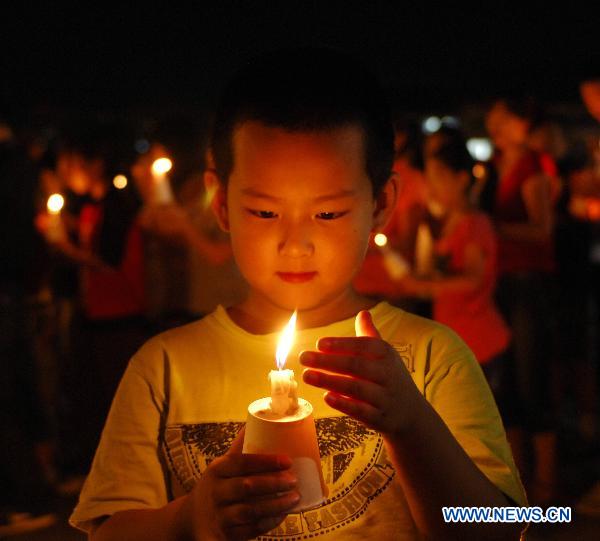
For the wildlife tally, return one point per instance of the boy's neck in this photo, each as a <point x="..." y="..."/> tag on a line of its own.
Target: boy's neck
<point x="258" y="315"/>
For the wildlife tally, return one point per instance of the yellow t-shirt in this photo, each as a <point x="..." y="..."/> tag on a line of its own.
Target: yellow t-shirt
<point x="185" y="394"/>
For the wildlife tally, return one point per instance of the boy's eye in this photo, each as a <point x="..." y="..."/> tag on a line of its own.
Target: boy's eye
<point x="265" y="214"/>
<point x="330" y="215"/>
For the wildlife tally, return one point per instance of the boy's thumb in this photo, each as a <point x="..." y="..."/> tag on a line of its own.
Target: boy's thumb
<point x="238" y="443"/>
<point x="364" y="325"/>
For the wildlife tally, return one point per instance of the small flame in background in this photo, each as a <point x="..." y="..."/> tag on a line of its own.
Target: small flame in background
<point x="380" y="240"/>
<point x="120" y="182"/>
<point x="285" y="341"/>
<point x="55" y="203"/>
<point x="161" y="166"/>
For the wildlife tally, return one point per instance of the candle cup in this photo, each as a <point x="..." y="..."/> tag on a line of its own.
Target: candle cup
<point x="291" y="435"/>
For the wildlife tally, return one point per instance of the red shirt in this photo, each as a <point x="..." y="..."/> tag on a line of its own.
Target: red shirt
<point x="118" y="292"/>
<point x="473" y="314"/>
<point x="520" y="255"/>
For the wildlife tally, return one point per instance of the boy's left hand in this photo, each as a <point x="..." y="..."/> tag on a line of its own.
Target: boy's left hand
<point x="365" y="378"/>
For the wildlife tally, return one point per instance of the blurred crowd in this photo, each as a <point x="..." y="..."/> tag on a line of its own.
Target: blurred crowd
<point x="104" y="249"/>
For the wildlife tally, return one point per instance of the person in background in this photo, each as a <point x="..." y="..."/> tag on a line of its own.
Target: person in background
<point x="183" y="233"/>
<point x="445" y="135"/>
<point x="26" y="495"/>
<point x="214" y="276"/>
<point x="523" y="213"/>
<point x="466" y="266"/>
<point x="108" y="253"/>
<point x="164" y="256"/>
<point x="584" y="207"/>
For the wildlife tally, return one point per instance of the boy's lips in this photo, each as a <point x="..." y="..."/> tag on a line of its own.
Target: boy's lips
<point x="296" y="277"/>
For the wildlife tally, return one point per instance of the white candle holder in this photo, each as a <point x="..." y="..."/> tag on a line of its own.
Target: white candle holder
<point x="292" y="435"/>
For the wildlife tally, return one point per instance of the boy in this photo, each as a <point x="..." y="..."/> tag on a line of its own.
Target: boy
<point x="303" y="148"/>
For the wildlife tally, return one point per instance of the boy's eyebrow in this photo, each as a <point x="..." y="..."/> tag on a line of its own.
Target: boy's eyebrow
<point x="337" y="195"/>
<point x="256" y="193"/>
<point x="322" y="198"/>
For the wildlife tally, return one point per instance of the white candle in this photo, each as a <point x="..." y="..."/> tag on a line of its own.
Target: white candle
<point x="163" y="194"/>
<point x="54" y="205"/>
<point x="395" y="265"/>
<point x="424" y="251"/>
<point x="284" y="396"/>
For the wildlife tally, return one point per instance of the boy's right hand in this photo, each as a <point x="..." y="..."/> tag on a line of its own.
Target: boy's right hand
<point x="241" y="496"/>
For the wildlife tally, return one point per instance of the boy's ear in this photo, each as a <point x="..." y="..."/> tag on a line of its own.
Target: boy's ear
<point x="385" y="202"/>
<point x="218" y="198"/>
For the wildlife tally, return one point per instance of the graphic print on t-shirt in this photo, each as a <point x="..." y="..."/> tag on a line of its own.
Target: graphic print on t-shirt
<point x="355" y="467"/>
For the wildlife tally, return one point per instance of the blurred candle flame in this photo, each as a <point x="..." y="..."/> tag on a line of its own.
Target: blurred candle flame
<point x="380" y="240"/>
<point x="55" y="203"/>
<point x="285" y="341"/>
<point x="161" y="166"/>
<point x="120" y="182"/>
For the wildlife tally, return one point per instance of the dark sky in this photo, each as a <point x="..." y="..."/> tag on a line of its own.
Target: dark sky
<point x="98" y="58"/>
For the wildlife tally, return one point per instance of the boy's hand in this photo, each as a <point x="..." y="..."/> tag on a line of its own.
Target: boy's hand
<point x="364" y="377"/>
<point x="241" y="496"/>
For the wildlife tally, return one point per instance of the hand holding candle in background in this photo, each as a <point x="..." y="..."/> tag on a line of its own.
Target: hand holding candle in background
<point x="55" y="230"/>
<point x="365" y="378"/>
<point x="163" y="195"/>
<point x="395" y="265"/>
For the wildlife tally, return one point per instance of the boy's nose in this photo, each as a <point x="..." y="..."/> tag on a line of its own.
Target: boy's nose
<point x="296" y="241"/>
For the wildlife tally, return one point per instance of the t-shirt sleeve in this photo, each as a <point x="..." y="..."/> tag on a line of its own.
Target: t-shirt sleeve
<point x="456" y="388"/>
<point x="127" y="472"/>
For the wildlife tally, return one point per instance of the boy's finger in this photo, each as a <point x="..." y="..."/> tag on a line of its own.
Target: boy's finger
<point x="345" y="364"/>
<point x="252" y="512"/>
<point x="361" y="345"/>
<point x="239" y="489"/>
<point x="249" y="464"/>
<point x="364" y="326"/>
<point x="361" y="411"/>
<point x="359" y="389"/>
<point x="238" y="443"/>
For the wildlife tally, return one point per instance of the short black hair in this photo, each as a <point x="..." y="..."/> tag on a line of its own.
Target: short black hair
<point x="455" y="155"/>
<point x="304" y="90"/>
<point x="525" y="107"/>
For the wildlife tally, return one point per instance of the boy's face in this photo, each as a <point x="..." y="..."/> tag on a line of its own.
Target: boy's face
<point x="300" y="210"/>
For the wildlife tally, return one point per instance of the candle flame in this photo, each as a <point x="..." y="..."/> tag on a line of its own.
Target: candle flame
<point x="380" y="240"/>
<point x="55" y="203"/>
<point x="120" y="182"/>
<point x="161" y="166"/>
<point x="285" y="341"/>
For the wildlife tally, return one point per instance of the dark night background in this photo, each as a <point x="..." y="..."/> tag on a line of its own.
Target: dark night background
<point x="169" y="58"/>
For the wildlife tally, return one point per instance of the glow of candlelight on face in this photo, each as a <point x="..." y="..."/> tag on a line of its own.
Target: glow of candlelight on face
<point x="55" y="203"/>
<point x="284" y="398"/>
<point x="161" y="166"/>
